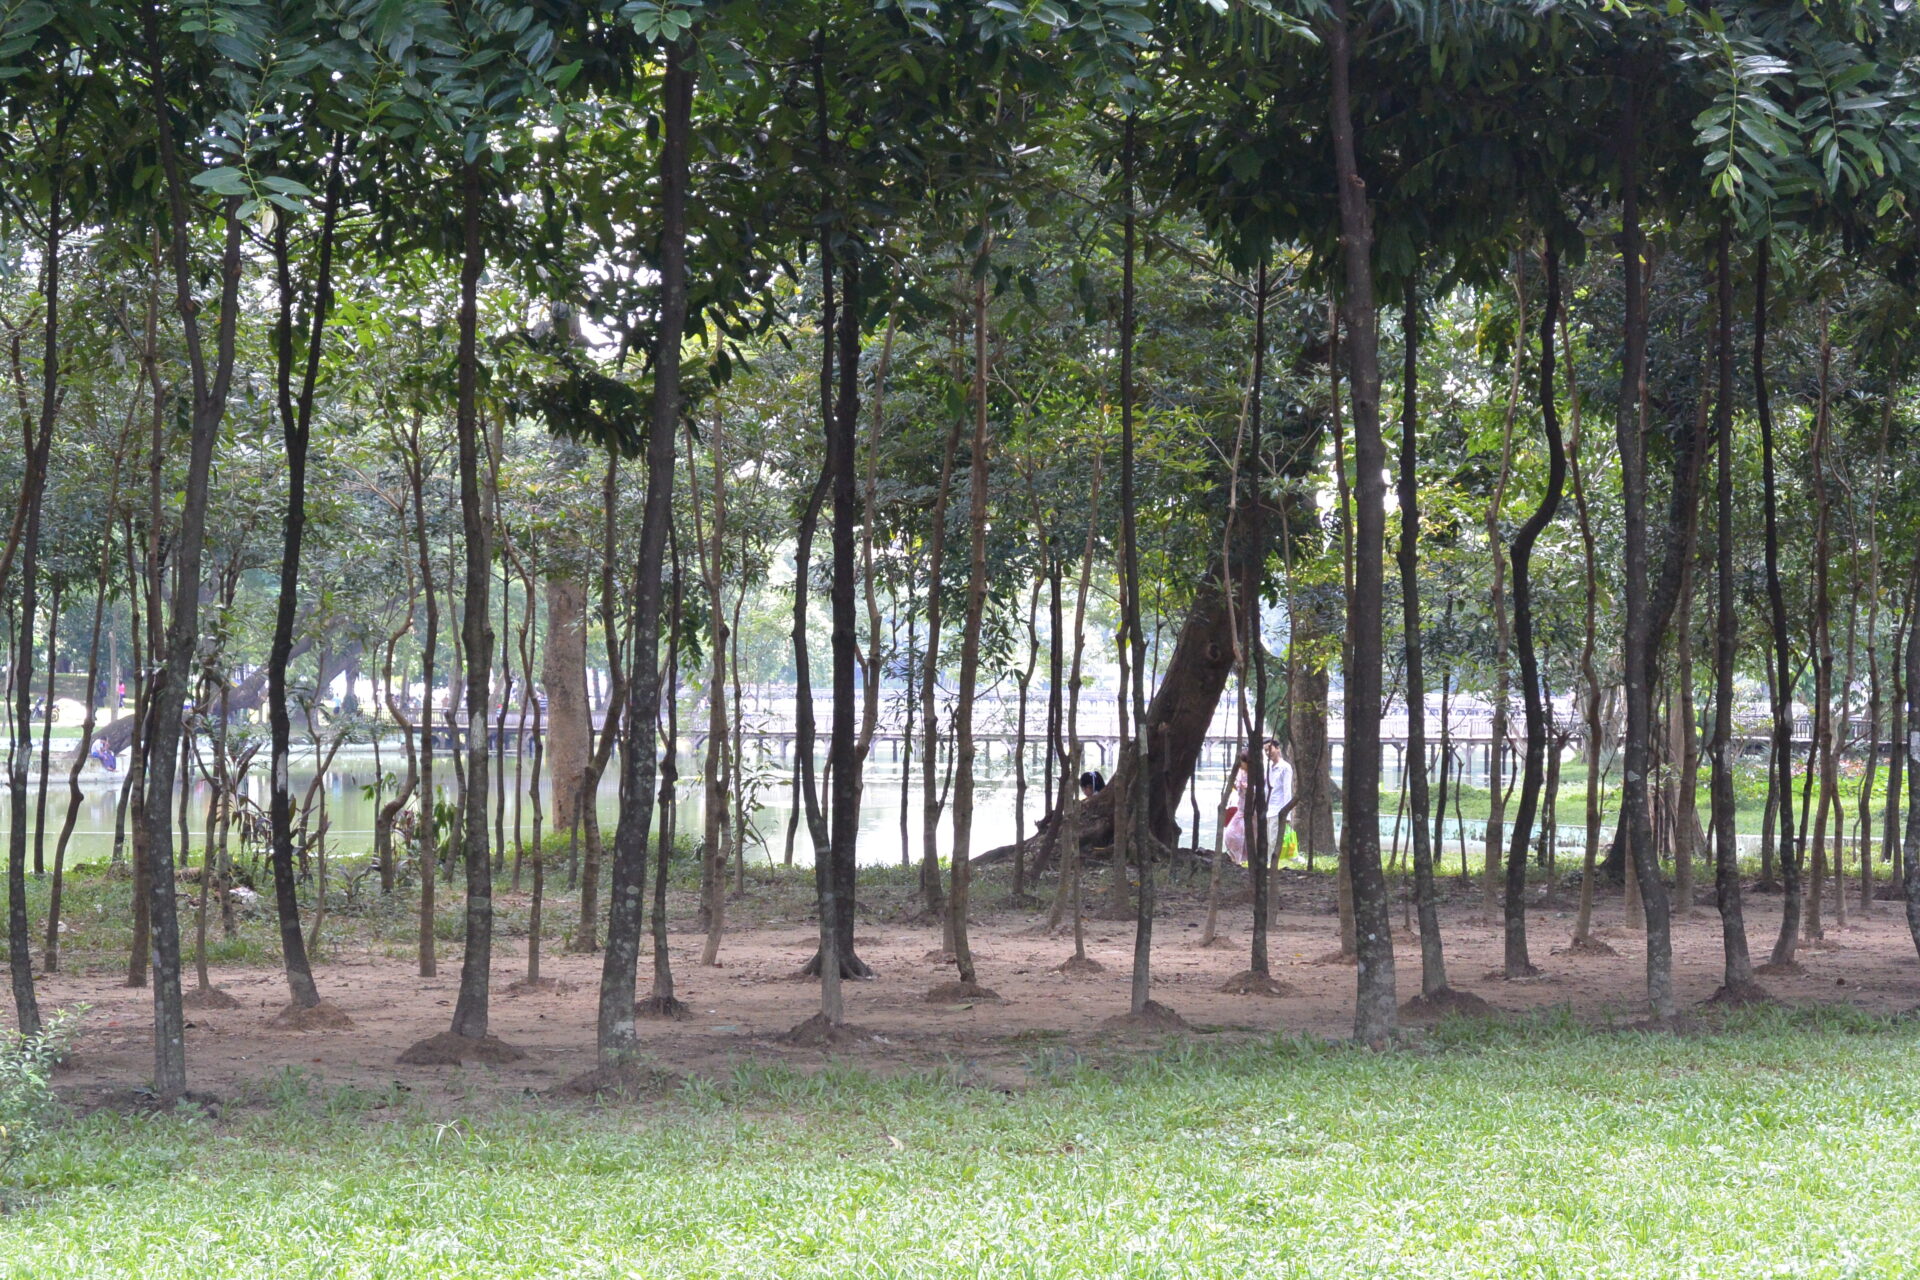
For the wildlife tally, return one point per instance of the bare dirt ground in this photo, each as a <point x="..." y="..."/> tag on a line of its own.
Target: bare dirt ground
<point x="741" y="1008"/>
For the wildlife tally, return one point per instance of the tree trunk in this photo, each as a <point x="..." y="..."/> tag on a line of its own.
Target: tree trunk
<point x="711" y="542"/>
<point x="964" y="747"/>
<point x="1374" y="998"/>
<point x="1737" y="970"/>
<point x="1637" y="640"/>
<point x="470" y="1006"/>
<point x="296" y="420"/>
<point x="587" y="937"/>
<point x="1433" y="965"/>
<point x="615" y="1023"/>
<point x="1518" y="964"/>
<point x="1502" y="632"/>
<point x="1781" y="686"/>
<point x="166" y="703"/>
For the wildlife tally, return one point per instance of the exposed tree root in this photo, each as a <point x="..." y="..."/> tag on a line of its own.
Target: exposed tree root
<point x="1588" y="946"/>
<point x="1782" y="969"/>
<point x="665" y="1008"/>
<point x="851" y="967"/>
<point x="1739" y="995"/>
<point x="1074" y="966"/>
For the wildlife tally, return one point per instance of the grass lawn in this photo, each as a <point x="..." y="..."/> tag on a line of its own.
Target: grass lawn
<point x="1782" y="1144"/>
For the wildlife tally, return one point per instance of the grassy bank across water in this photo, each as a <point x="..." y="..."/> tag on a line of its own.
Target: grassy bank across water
<point x="1782" y="1143"/>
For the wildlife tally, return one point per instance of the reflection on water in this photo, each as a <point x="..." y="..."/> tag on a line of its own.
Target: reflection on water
<point x="352" y="805"/>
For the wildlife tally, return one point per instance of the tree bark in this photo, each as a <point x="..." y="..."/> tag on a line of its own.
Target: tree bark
<point x="296" y="422"/>
<point x="1637" y="640"/>
<point x="166" y="703"/>
<point x="1737" y="970"/>
<point x="615" y="1021"/>
<point x="1374" y="997"/>
<point x="470" y="1006"/>
<point x="1433" y="965"/>
<point x="1518" y="964"/>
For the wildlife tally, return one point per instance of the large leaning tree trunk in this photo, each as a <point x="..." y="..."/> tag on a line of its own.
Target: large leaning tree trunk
<point x="1518" y="965"/>
<point x="1374" y="996"/>
<point x="614" y="1029"/>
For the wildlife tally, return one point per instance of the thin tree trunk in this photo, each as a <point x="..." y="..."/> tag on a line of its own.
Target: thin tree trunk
<point x="51" y="957"/>
<point x="470" y="1005"/>
<point x="587" y="936"/>
<point x="1737" y="970"/>
<point x="662" y="1002"/>
<point x="1781" y="686"/>
<point x="619" y="973"/>
<point x="166" y="702"/>
<point x="296" y="421"/>
<point x="1503" y="633"/>
<point x="1517" y="962"/>
<point x="1637" y="640"/>
<point x="1822" y="751"/>
<point x="1374" y="997"/>
<point x="1433" y="965"/>
<point x="710" y="543"/>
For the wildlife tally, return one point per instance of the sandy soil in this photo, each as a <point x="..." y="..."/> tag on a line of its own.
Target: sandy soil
<point x="741" y="1008"/>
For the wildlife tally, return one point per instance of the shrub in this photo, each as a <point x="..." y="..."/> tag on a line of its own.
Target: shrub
<point x="27" y="1105"/>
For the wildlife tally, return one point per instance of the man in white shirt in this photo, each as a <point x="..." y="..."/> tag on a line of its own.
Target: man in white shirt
<point x="1279" y="794"/>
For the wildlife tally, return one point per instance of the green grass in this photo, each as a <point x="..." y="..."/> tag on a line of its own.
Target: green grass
<point x="1787" y="1144"/>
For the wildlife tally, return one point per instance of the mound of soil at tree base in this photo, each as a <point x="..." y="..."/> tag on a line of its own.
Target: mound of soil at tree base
<point x="325" y="1016"/>
<point x="531" y="986"/>
<point x="1249" y="983"/>
<point x="1447" y="1000"/>
<point x="627" y="1080"/>
<point x="1220" y="942"/>
<point x="208" y="998"/>
<point x="1739" y="994"/>
<point x="817" y="1033"/>
<point x="1154" y="1017"/>
<point x="1074" y="966"/>
<point x="1585" y="947"/>
<point x="450" y="1050"/>
<point x="960" y="992"/>
<point x="939" y="957"/>
<point x="663" y="1008"/>
<point x="1776" y="969"/>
